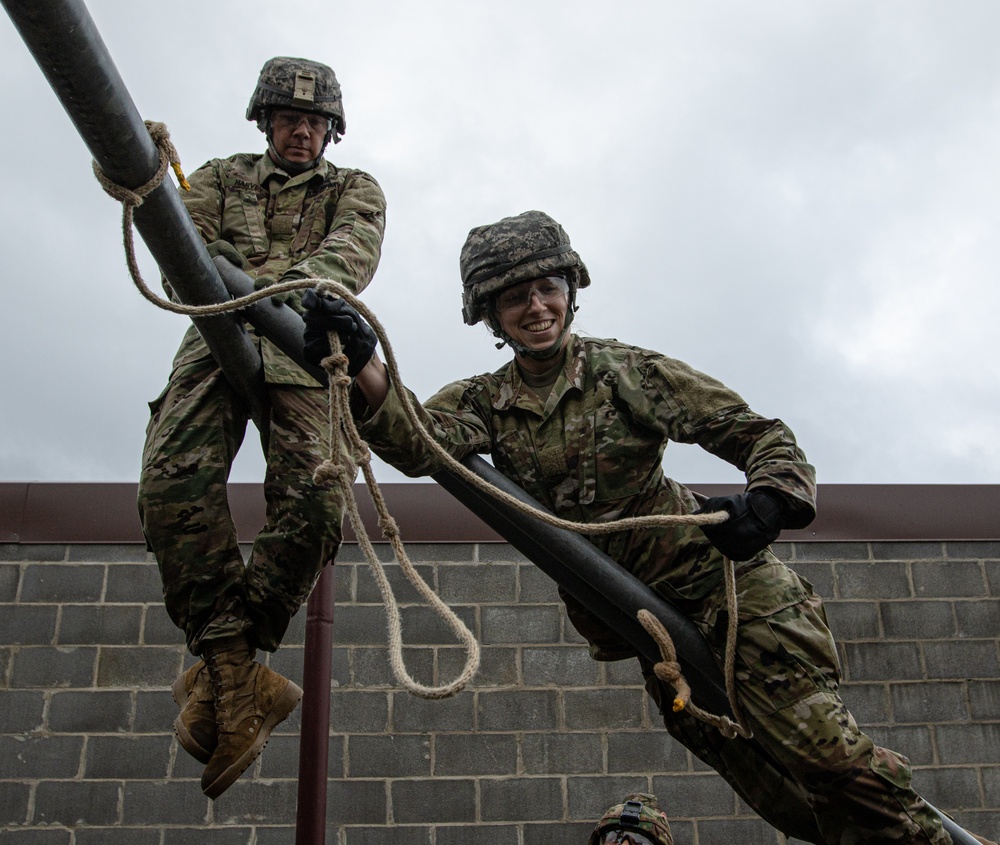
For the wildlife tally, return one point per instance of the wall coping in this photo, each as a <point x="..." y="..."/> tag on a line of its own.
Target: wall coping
<point x="105" y="512"/>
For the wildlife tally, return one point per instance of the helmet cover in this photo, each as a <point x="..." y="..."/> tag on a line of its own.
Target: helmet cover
<point x="514" y="250"/>
<point x="291" y="83"/>
<point x="639" y="812"/>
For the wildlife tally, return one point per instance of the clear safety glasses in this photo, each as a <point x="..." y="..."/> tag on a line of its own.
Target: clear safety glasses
<point x="625" y="837"/>
<point x="289" y="120"/>
<point x="547" y="288"/>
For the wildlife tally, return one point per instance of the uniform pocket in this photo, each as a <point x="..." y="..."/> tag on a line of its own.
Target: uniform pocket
<point x="514" y="456"/>
<point x="891" y="767"/>
<point x="785" y="647"/>
<point x="624" y="455"/>
<point x="765" y="589"/>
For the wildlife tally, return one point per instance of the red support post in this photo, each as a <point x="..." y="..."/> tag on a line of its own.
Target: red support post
<point x="314" y="742"/>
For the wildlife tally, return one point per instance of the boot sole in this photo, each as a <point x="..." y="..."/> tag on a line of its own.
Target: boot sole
<point x="283" y="706"/>
<point x="184" y="736"/>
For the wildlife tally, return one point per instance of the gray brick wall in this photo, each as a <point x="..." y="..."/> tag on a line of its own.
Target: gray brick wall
<point x="531" y="754"/>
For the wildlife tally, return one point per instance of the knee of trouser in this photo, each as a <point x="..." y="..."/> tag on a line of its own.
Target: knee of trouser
<point x="287" y="589"/>
<point x="865" y="767"/>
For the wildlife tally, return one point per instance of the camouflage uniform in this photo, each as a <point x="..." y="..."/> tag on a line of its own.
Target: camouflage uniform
<point x="325" y="222"/>
<point x="592" y="451"/>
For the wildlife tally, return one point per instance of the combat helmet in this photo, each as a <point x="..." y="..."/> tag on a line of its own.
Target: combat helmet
<point x="291" y="83"/>
<point x="514" y="250"/>
<point x="639" y="815"/>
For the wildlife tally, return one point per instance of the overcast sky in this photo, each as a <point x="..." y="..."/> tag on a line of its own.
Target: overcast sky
<point x="799" y="198"/>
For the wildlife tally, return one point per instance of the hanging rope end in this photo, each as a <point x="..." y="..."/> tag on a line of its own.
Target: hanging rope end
<point x="181" y="178"/>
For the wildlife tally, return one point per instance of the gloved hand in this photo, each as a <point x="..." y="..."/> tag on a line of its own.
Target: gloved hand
<point x="755" y="521"/>
<point x="227" y="251"/>
<point x="335" y="315"/>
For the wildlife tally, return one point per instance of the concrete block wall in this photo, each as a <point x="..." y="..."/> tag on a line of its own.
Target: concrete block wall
<point x="531" y="754"/>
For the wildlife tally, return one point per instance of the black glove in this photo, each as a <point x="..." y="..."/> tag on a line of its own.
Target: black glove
<point x="335" y="315"/>
<point x="227" y="251"/>
<point x="755" y="521"/>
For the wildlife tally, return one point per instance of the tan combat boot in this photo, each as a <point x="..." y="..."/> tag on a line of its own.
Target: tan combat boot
<point x="250" y="701"/>
<point x="195" y="725"/>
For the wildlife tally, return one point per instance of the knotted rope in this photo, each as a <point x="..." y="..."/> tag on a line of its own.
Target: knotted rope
<point x="341" y="420"/>
<point x="331" y="469"/>
<point x="668" y="669"/>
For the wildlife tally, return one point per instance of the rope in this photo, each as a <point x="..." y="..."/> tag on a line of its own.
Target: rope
<point x="331" y="470"/>
<point x="341" y="420"/>
<point x="668" y="669"/>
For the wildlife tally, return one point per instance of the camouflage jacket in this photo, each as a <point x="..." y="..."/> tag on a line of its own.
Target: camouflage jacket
<point x="327" y="223"/>
<point x="594" y="450"/>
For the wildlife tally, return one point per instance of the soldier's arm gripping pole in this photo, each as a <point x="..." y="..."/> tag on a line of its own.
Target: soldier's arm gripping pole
<point x="65" y="42"/>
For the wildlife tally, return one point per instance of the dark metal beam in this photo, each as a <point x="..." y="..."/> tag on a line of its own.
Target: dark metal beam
<point x="65" y="42"/>
<point x="609" y="591"/>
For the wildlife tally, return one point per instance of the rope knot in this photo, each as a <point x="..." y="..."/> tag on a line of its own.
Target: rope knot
<point x="334" y="364"/>
<point x="668" y="669"/>
<point x="362" y="454"/>
<point x="329" y="472"/>
<point x="128" y="198"/>
<point x="387" y="525"/>
<point x="132" y="198"/>
<point x="161" y="137"/>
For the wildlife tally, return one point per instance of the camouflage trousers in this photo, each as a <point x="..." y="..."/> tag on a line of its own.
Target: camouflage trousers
<point x="196" y="428"/>
<point x="808" y="771"/>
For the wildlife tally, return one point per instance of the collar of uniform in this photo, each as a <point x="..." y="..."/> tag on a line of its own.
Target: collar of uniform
<point x="514" y="393"/>
<point x="266" y="168"/>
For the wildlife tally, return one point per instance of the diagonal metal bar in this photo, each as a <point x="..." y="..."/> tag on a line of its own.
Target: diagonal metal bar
<point x="65" y="43"/>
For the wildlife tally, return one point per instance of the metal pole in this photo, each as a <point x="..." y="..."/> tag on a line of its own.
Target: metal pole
<point x="314" y="741"/>
<point x="65" y="42"/>
<point x="606" y="589"/>
<point x="280" y="324"/>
